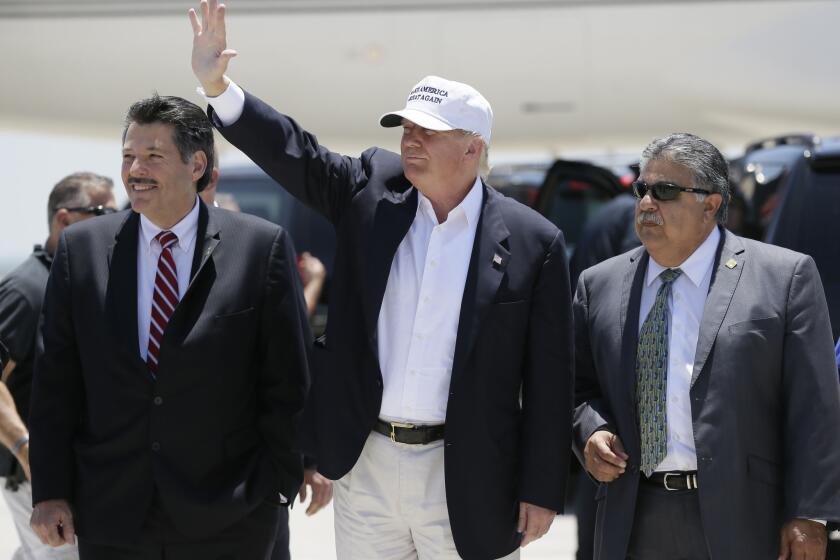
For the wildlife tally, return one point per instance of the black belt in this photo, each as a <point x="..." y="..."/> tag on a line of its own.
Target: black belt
<point x="673" y="480"/>
<point x="401" y="432"/>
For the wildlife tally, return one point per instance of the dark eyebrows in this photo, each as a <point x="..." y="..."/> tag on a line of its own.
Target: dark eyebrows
<point x="152" y="148"/>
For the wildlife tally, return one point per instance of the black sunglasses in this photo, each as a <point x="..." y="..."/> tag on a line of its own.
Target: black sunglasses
<point x="95" y="210"/>
<point x="662" y="190"/>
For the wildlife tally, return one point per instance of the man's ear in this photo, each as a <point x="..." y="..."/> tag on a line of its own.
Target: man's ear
<point x="199" y="164"/>
<point x="61" y="219"/>
<point x="473" y="148"/>
<point x="711" y="205"/>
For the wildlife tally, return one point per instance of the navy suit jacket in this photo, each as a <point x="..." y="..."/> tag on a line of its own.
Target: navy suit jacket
<point x="508" y="419"/>
<point x="213" y="434"/>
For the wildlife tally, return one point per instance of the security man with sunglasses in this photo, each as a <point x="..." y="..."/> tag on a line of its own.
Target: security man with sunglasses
<point x="75" y="198"/>
<point x="706" y="395"/>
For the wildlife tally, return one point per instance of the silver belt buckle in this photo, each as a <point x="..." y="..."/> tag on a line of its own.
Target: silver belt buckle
<point x="690" y="481"/>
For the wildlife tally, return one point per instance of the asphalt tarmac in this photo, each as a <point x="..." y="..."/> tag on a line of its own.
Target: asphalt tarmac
<point x="313" y="537"/>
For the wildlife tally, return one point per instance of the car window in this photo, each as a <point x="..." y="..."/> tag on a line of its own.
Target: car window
<point x="570" y="204"/>
<point x="258" y="196"/>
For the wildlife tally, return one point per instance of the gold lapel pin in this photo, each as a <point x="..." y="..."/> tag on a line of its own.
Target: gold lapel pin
<point x="731" y="263"/>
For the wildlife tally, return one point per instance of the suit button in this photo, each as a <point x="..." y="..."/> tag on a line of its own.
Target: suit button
<point x="158" y="401"/>
<point x="155" y="446"/>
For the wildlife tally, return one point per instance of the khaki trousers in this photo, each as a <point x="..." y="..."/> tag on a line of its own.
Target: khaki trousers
<point x="392" y="504"/>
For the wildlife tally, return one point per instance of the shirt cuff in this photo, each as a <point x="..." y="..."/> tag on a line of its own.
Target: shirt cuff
<point x="228" y="105"/>
<point x="820" y="521"/>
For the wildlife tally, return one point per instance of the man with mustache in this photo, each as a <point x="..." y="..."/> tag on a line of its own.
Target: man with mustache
<point x="444" y="407"/>
<point x="174" y="364"/>
<point x="707" y="398"/>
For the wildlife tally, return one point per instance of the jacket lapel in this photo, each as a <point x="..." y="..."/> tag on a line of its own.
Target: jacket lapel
<point x="631" y="297"/>
<point x="729" y="263"/>
<point x="187" y="311"/>
<point x="206" y="239"/>
<point x="487" y="268"/>
<point x="121" y="293"/>
<point x="392" y="219"/>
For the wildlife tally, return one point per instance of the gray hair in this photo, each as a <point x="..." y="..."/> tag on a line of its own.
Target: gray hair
<point x="707" y="165"/>
<point x="74" y="191"/>
<point x="483" y="160"/>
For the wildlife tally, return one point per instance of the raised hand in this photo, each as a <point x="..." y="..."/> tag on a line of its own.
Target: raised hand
<point x="210" y="55"/>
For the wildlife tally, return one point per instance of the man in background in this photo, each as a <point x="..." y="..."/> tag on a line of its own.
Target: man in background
<point x="75" y="198"/>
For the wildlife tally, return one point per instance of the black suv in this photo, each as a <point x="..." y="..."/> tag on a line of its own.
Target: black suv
<point x="791" y="186"/>
<point x="571" y="192"/>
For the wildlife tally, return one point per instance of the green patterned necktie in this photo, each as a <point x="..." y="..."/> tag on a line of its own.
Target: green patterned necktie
<point x="652" y="376"/>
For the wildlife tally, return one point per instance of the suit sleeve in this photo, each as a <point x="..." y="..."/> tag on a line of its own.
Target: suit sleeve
<point x="812" y="407"/>
<point x="284" y="373"/>
<point x="56" y="389"/>
<point x="591" y="411"/>
<point x="547" y="386"/>
<point x="323" y="180"/>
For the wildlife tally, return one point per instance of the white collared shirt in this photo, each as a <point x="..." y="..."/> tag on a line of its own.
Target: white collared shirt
<point x="228" y="105"/>
<point x="418" y="321"/>
<point x="148" y="253"/>
<point x="688" y="296"/>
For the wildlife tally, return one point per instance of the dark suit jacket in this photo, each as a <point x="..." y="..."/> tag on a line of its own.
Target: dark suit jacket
<point x="4" y="356"/>
<point x="514" y="334"/>
<point x="765" y="402"/>
<point x="213" y="434"/>
<point x="609" y="232"/>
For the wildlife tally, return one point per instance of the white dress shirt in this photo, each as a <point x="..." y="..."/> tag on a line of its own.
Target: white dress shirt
<point x="148" y="252"/>
<point x="228" y="105"/>
<point x="688" y="296"/>
<point x="418" y="321"/>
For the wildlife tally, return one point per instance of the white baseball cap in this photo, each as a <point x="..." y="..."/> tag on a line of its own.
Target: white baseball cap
<point x="439" y="104"/>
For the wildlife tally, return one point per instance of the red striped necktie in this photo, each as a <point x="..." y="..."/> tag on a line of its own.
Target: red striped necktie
<point x="165" y="297"/>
